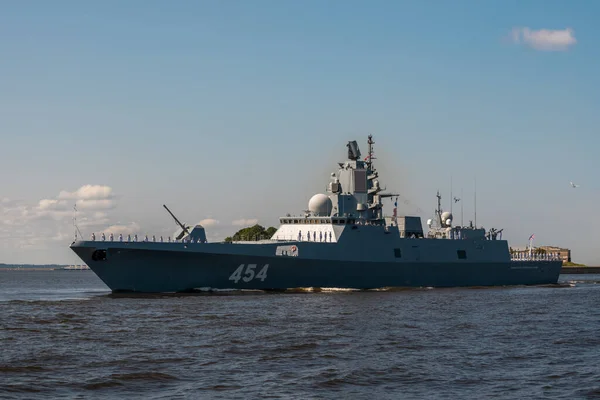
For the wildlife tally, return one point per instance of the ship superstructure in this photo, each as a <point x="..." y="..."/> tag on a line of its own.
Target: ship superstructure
<point x="342" y="240"/>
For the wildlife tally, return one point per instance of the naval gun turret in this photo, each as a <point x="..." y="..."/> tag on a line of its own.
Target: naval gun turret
<point x="196" y="235"/>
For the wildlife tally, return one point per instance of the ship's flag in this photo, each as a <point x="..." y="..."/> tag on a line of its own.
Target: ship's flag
<point x="367" y="157"/>
<point x="395" y="208"/>
<point x="531" y="237"/>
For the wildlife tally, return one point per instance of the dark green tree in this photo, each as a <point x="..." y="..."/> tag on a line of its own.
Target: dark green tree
<point x="256" y="232"/>
<point x="270" y="231"/>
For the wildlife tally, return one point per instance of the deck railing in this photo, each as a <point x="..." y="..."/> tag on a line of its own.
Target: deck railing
<point x="134" y="239"/>
<point x="535" y="257"/>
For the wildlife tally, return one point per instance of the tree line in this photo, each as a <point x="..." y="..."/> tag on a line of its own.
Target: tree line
<point x="252" y="233"/>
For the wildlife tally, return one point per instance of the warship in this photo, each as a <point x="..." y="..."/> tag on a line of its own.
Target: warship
<point x="343" y="240"/>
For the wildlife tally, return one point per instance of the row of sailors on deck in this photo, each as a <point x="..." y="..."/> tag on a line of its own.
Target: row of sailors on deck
<point x="322" y="238"/>
<point x="537" y="257"/>
<point x="111" y="238"/>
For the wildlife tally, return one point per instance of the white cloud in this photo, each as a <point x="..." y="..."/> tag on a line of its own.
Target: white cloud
<point x="11" y="212"/>
<point x="54" y="215"/>
<point x="96" y="204"/>
<point x="98" y="218"/>
<point x="122" y="229"/>
<point x="245" y="222"/>
<point x="208" y="222"/>
<point x="52" y="204"/>
<point x="545" y="39"/>
<point x="88" y="192"/>
<point x="44" y="224"/>
<point x="62" y="237"/>
<point x="87" y="197"/>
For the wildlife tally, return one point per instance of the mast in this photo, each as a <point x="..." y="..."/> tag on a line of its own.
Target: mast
<point x="370" y="155"/>
<point x="475" y="202"/>
<point x="76" y="228"/>
<point x="451" y="197"/>
<point x="439" y="208"/>
<point x="461" y="207"/>
<point x="75" y="220"/>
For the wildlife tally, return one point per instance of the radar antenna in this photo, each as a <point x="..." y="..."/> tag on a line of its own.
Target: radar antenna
<point x="183" y="227"/>
<point x="353" y="150"/>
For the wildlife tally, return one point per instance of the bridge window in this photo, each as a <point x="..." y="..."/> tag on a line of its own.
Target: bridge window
<point x="397" y="253"/>
<point x="462" y="254"/>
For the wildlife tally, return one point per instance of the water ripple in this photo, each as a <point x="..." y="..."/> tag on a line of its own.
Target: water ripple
<point x="514" y="342"/>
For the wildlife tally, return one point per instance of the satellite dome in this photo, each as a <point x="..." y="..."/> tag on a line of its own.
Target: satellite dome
<point x="447" y="216"/>
<point x="320" y="205"/>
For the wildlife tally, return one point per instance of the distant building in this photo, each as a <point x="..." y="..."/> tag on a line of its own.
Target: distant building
<point x="564" y="254"/>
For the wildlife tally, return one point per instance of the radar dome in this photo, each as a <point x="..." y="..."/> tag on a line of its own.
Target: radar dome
<point x="447" y="216"/>
<point x="320" y="205"/>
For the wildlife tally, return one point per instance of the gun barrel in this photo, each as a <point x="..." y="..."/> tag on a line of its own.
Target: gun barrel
<point x="176" y="220"/>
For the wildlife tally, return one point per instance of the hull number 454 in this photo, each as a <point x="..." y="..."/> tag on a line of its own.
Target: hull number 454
<point x="249" y="273"/>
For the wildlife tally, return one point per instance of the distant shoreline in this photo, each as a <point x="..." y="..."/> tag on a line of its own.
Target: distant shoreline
<point x="30" y="269"/>
<point x="32" y="266"/>
<point x="48" y="267"/>
<point x="580" y="270"/>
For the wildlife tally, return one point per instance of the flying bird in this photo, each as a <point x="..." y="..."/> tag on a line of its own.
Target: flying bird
<point x="456" y="199"/>
<point x="574" y="185"/>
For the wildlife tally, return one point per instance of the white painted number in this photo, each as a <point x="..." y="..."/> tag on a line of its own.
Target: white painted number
<point x="237" y="274"/>
<point x="263" y="273"/>
<point x="249" y="274"/>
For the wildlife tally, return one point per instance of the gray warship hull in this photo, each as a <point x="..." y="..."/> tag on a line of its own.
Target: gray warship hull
<point x="343" y="240"/>
<point x="178" y="267"/>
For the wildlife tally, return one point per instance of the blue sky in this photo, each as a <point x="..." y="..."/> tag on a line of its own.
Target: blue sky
<point x="230" y="111"/>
